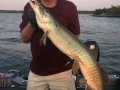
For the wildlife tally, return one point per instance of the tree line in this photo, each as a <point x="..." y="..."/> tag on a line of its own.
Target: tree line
<point x="113" y="10"/>
<point x="11" y="11"/>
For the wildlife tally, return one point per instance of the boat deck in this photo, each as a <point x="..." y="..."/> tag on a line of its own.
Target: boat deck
<point x="107" y="87"/>
<point x="18" y="83"/>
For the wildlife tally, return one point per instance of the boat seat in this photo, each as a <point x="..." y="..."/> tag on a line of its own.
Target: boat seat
<point x="94" y="48"/>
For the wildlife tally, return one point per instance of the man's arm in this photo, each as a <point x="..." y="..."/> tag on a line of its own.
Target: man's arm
<point x="29" y="29"/>
<point x="27" y="33"/>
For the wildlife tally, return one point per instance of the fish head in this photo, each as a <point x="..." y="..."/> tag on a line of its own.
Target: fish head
<point x="43" y="16"/>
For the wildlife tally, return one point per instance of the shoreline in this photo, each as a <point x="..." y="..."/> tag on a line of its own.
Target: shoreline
<point x="21" y="11"/>
<point x="11" y="11"/>
<point x="79" y="12"/>
<point x="105" y="15"/>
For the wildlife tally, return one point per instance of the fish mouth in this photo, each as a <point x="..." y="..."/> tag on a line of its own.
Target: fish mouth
<point x="34" y="4"/>
<point x="37" y="5"/>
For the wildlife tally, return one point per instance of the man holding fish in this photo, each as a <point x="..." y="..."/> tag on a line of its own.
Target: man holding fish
<point x="49" y="68"/>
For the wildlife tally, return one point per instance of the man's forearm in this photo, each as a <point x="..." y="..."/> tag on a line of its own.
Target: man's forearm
<point x="27" y="33"/>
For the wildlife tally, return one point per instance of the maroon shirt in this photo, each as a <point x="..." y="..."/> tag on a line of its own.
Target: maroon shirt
<point x="48" y="60"/>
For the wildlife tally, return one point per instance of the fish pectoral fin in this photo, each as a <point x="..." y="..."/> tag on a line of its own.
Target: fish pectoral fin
<point x="75" y="67"/>
<point x="44" y="38"/>
<point x="105" y="77"/>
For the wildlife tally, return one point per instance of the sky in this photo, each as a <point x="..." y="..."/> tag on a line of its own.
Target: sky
<point x="88" y="5"/>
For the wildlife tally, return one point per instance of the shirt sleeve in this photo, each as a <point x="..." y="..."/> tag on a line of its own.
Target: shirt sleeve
<point x="74" y="25"/>
<point x="24" y="17"/>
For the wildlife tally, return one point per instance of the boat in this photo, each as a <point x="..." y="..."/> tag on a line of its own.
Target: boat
<point x="14" y="80"/>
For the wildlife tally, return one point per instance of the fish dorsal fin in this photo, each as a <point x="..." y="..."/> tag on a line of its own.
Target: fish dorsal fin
<point x="105" y="77"/>
<point x="44" y="38"/>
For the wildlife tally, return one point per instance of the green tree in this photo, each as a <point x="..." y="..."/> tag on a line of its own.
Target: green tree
<point x="113" y="10"/>
<point x="98" y="11"/>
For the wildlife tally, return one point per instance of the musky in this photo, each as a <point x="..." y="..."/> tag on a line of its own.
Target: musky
<point x="81" y="4"/>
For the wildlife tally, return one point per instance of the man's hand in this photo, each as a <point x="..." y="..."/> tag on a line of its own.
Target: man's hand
<point x="32" y="18"/>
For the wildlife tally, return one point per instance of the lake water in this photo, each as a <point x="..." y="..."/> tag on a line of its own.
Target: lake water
<point x="14" y="54"/>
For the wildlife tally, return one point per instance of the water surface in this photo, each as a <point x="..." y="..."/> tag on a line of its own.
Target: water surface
<point x="14" y="54"/>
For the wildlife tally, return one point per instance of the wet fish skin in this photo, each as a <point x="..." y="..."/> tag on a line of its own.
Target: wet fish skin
<point x="66" y="42"/>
